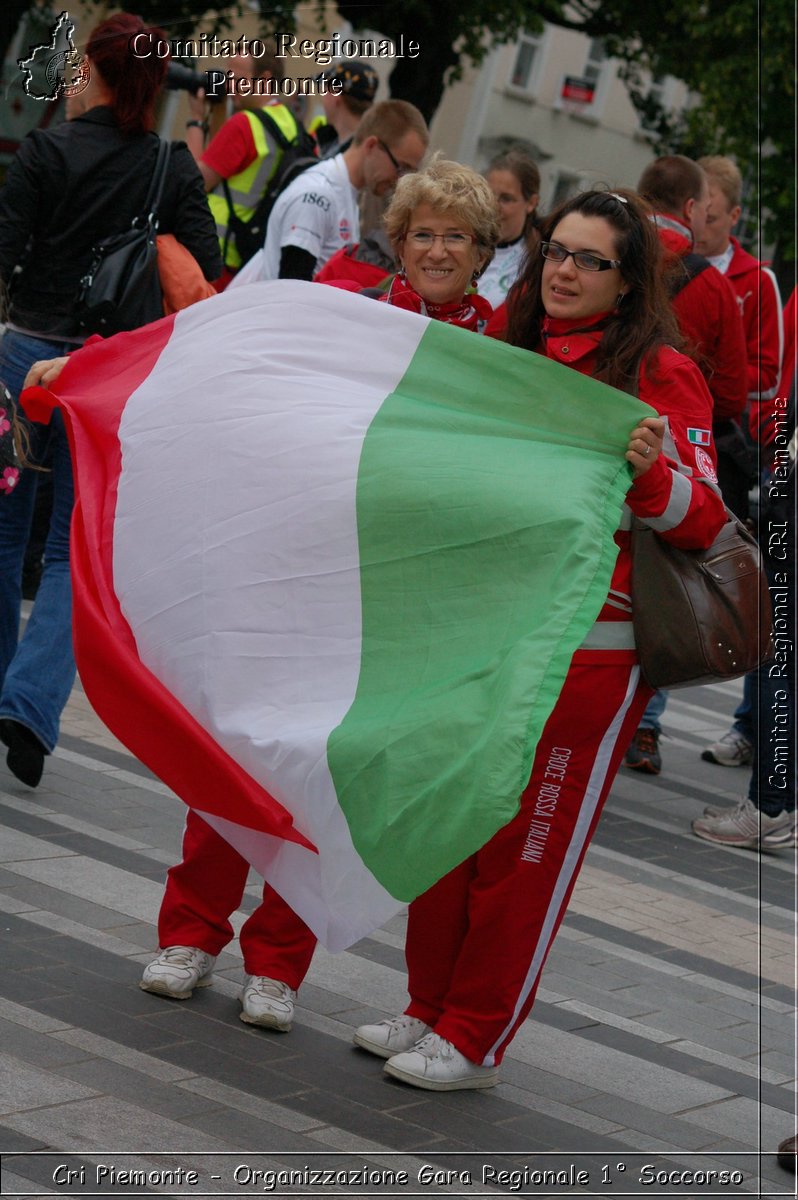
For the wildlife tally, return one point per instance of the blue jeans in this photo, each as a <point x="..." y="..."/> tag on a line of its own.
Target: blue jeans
<point x="654" y="710"/>
<point x="37" y="672"/>
<point x="744" y="712"/>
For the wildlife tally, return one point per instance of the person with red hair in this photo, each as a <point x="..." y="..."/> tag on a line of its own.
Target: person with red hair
<point x="68" y="188"/>
<point x="129" y="83"/>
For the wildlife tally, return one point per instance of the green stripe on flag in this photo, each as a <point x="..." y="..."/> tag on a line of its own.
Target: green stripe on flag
<point x="490" y="485"/>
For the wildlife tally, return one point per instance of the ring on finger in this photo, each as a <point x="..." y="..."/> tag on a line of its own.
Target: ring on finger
<point x="647" y="451"/>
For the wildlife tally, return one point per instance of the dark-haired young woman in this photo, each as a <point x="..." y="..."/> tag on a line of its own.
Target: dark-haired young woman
<point x="66" y="189"/>
<point x="514" y="179"/>
<point x="591" y="299"/>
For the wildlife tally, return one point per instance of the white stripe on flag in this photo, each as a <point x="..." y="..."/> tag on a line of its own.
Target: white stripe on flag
<point x="228" y="654"/>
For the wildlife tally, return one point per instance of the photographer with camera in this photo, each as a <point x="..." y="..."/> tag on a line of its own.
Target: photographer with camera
<point x="69" y="188"/>
<point x="241" y="159"/>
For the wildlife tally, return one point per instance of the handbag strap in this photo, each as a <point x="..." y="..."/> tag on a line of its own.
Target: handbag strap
<point x="155" y="190"/>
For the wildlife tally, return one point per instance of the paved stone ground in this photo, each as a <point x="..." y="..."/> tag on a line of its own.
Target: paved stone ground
<point x="664" y="1031"/>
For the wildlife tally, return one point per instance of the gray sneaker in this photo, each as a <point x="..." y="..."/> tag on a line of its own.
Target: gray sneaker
<point x="177" y="971"/>
<point x="732" y="750"/>
<point x="743" y="826"/>
<point x="783" y="838"/>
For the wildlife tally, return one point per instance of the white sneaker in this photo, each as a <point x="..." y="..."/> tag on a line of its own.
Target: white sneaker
<point x="390" y="1037"/>
<point x="435" y="1064"/>
<point x="743" y="826"/>
<point x="267" y="1002"/>
<point x="732" y="750"/>
<point x="177" y="971"/>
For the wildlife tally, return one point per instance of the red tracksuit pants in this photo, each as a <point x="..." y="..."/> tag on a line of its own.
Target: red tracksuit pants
<point x="207" y="886"/>
<point x="478" y="939"/>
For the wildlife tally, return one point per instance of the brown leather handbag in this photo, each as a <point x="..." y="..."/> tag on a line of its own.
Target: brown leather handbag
<point x="700" y="616"/>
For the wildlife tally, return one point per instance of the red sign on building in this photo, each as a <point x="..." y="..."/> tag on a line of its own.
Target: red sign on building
<point x="577" y="90"/>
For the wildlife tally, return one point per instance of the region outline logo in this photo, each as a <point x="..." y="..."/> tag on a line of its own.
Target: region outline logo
<point x="55" y="68"/>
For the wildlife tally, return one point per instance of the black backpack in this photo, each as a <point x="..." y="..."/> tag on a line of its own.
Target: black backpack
<point x="295" y="157"/>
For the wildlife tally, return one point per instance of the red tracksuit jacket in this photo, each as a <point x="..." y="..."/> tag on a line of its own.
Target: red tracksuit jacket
<point x="709" y="319"/>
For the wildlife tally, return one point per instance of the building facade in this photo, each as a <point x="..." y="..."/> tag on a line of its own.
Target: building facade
<point x="559" y="95"/>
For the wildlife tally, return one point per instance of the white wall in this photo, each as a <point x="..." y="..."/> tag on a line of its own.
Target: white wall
<point x="600" y="143"/>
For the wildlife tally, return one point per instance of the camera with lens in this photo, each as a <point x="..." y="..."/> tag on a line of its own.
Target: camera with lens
<point x="180" y="77"/>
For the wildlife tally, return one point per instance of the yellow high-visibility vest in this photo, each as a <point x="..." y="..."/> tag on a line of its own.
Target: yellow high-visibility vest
<point x="247" y="187"/>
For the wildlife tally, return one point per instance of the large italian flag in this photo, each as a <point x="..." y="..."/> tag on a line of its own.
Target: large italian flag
<point x="331" y="561"/>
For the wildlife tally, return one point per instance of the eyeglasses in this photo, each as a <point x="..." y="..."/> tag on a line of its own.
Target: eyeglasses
<point x="400" y="168"/>
<point x="452" y="241"/>
<point x="583" y="260"/>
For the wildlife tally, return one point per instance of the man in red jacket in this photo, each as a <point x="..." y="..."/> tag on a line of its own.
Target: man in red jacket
<point x="705" y="304"/>
<point x="709" y="319"/>
<point x="755" y="286"/>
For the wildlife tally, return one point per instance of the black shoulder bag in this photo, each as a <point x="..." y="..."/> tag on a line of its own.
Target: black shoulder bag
<point x="122" y="290"/>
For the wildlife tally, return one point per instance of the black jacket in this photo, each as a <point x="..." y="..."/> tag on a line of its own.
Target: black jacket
<point x="71" y="186"/>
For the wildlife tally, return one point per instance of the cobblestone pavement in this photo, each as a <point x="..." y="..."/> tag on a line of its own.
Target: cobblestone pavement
<point x="663" y="1039"/>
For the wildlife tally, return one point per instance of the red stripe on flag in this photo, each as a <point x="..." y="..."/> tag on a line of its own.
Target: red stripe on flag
<point x="93" y="390"/>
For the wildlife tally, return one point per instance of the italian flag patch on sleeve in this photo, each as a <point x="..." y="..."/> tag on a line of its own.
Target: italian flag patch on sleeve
<point x="699" y="437"/>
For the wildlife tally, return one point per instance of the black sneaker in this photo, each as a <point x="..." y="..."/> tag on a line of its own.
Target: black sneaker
<point x="25" y="757"/>
<point x="643" y="753"/>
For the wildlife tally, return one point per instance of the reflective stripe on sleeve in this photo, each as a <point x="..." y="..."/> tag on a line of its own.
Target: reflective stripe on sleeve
<point x="670" y="449"/>
<point x="610" y="635"/>
<point x="619" y="600"/>
<point x="768" y="395"/>
<point x="677" y="506"/>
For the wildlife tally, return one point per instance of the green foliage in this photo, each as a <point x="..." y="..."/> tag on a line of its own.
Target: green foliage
<point x="182" y="18"/>
<point x="737" y="58"/>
